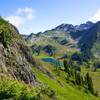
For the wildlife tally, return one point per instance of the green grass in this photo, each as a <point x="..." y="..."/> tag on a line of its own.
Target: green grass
<point x="43" y="56"/>
<point x="42" y="41"/>
<point x="95" y="77"/>
<point x="64" y="91"/>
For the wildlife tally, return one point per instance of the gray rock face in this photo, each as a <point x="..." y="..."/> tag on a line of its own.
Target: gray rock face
<point x="65" y="27"/>
<point x="2" y="58"/>
<point x="16" y="59"/>
<point x="14" y="62"/>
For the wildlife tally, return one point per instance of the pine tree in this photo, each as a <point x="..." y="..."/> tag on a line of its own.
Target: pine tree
<point x="78" y="78"/>
<point x="89" y="83"/>
<point x="96" y="94"/>
<point x="66" y="66"/>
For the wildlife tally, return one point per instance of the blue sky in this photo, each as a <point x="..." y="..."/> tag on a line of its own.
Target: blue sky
<point x="40" y="15"/>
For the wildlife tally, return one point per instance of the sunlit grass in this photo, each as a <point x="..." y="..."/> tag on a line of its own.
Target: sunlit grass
<point x="64" y="90"/>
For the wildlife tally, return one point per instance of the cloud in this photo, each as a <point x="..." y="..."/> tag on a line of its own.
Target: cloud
<point x="25" y="10"/>
<point x="28" y="11"/>
<point x="30" y="16"/>
<point x="15" y="20"/>
<point x="96" y="16"/>
<point x="22" y="16"/>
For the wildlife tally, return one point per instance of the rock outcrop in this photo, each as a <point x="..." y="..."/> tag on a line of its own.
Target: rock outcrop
<point x="15" y="56"/>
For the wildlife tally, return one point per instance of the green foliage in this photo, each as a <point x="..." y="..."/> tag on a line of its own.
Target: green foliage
<point x="61" y="89"/>
<point x="14" y="90"/>
<point x="95" y="75"/>
<point x="2" y="21"/>
<point x="66" y="68"/>
<point x="48" y="91"/>
<point x="89" y="83"/>
<point x="10" y="88"/>
<point x="78" y="78"/>
<point x="96" y="93"/>
<point x="5" y="33"/>
<point x="6" y="37"/>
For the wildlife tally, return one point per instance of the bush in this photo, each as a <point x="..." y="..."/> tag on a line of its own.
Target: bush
<point x="5" y="32"/>
<point x="10" y="88"/>
<point x="15" y="90"/>
<point x="48" y="91"/>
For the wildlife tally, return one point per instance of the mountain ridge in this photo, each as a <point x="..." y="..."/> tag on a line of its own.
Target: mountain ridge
<point x="63" y="34"/>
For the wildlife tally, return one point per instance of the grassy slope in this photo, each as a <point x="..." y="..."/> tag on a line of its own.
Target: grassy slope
<point x="96" y="80"/>
<point x="95" y="76"/>
<point x="64" y="91"/>
<point x="67" y="91"/>
<point x="60" y="49"/>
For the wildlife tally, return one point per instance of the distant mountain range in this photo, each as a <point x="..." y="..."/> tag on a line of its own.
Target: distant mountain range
<point x="85" y="37"/>
<point x="64" y="29"/>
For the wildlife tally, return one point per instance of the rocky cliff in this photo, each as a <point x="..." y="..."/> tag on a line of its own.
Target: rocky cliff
<point x="15" y="56"/>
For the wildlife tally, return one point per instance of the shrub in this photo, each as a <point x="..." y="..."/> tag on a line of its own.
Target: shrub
<point x="48" y="91"/>
<point x="5" y="33"/>
<point x="10" y="88"/>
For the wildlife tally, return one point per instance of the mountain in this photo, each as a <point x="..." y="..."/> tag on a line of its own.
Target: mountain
<point x="65" y="27"/>
<point x="64" y="36"/>
<point x="71" y="28"/>
<point x="24" y="36"/>
<point x="84" y="26"/>
<point x="90" y="42"/>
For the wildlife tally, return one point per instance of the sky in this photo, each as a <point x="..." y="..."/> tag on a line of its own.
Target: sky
<point x="32" y="16"/>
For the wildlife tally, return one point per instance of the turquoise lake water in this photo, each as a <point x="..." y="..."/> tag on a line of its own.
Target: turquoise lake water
<point x="53" y="61"/>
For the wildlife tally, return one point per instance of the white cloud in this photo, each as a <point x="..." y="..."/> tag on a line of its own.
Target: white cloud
<point x="15" y="20"/>
<point x="22" y="16"/>
<point x="30" y="16"/>
<point x="25" y="10"/>
<point x="96" y="16"/>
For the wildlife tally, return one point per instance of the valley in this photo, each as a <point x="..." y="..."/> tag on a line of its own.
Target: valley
<point x="53" y="65"/>
<point x="71" y="38"/>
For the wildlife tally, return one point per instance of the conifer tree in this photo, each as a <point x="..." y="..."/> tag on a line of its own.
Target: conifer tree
<point x="96" y="94"/>
<point x="66" y="66"/>
<point x="89" y="83"/>
<point x="78" y="78"/>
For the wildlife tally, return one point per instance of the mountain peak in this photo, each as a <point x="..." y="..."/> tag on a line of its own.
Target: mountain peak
<point x="97" y="23"/>
<point x="72" y="28"/>
<point x="84" y="26"/>
<point x="65" y="27"/>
